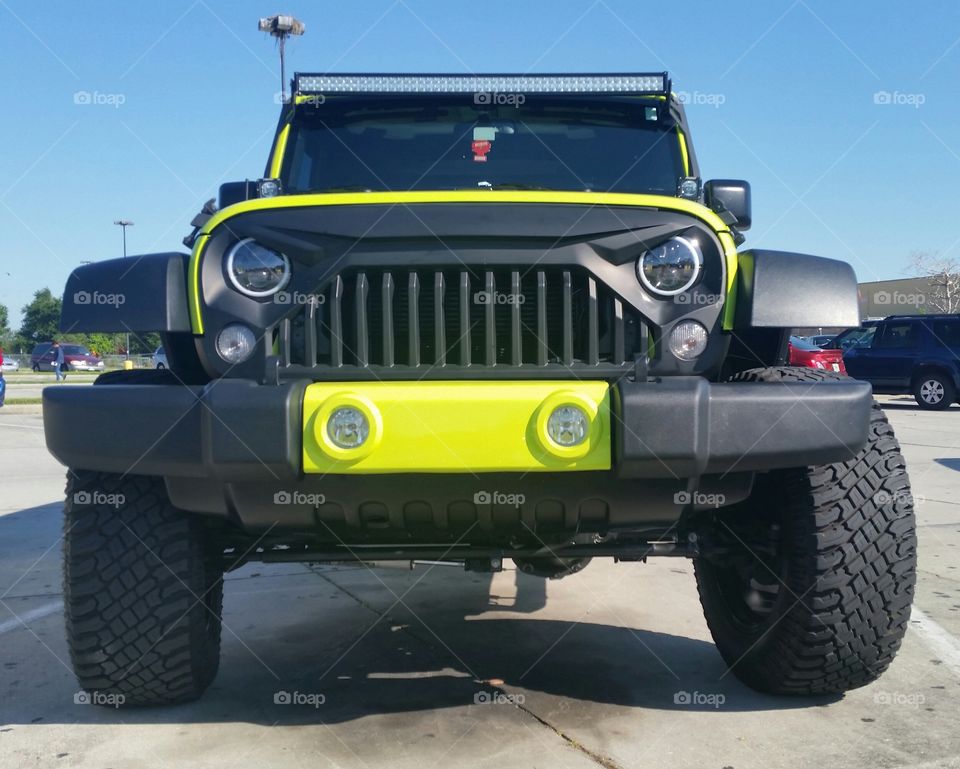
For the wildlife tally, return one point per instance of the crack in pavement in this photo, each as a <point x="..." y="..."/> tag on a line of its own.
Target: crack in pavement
<point x="597" y="758"/>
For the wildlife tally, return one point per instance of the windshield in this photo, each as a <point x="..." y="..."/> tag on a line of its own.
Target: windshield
<point x="75" y="349"/>
<point x="802" y="344"/>
<point x="446" y="143"/>
<point x="854" y="337"/>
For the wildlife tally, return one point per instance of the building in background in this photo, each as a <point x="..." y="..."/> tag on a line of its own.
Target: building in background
<point x="906" y="296"/>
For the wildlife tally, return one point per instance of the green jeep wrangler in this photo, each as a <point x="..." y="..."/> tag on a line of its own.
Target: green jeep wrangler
<point x="470" y="318"/>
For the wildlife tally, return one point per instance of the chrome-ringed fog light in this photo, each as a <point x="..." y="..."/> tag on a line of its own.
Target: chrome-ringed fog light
<point x="688" y="340"/>
<point x="235" y="343"/>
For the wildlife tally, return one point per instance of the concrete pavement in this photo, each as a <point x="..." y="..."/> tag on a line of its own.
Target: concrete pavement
<point x="436" y="667"/>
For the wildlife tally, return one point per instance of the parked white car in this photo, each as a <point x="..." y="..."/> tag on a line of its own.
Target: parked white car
<point x="159" y="358"/>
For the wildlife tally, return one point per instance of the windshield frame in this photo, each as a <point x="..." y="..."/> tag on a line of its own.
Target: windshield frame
<point x="671" y="119"/>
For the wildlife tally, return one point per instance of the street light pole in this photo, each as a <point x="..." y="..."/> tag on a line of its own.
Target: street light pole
<point x="123" y="224"/>
<point x="281" y="27"/>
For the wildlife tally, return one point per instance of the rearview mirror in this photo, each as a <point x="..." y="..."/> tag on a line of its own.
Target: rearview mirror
<point x="730" y="196"/>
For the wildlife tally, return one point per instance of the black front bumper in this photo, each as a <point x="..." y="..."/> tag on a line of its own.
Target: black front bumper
<point x="231" y="447"/>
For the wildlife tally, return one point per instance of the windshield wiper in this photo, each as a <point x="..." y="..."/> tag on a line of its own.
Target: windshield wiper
<point x="517" y="186"/>
<point x="347" y="188"/>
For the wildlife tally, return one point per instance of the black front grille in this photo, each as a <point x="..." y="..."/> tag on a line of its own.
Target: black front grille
<point x="479" y="320"/>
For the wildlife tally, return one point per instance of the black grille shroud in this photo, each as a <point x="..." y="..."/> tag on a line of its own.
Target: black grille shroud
<point x="550" y="320"/>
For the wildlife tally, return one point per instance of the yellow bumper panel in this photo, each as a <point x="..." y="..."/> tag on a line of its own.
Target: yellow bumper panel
<point x="455" y="427"/>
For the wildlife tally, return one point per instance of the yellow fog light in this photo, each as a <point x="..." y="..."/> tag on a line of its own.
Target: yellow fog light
<point x="348" y="427"/>
<point x="567" y="425"/>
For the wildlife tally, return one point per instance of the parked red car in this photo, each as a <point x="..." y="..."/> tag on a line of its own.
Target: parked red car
<point x="76" y="357"/>
<point x="803" y="353"/>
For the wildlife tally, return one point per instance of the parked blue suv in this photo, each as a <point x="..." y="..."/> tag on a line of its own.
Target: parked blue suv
<point x="914" y="354"/>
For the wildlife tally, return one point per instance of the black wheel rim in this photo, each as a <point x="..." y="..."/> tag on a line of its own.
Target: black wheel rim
<point x="750" y="576"/>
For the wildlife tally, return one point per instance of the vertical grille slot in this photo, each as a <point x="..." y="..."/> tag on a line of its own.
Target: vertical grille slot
<point x="439" y="320"/>
<point x="490" y="321"/>
<point x="285" y="340"/>
<point x="619" y="354"/>
<point x="567" y="358"/>
<point x="516" y="340"/>
<point x="593" y="333"/>
<point x="465" y="329"/>
<point x="543" y="348"/>
<point x="413" y="323"/>
<point x="310" y="333"/>
<point x="386" y="308"/>
<point x="362" y="335"/>
<point x="336" y="323"/>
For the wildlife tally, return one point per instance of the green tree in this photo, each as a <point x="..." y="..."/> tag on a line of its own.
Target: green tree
<point x="5" y="335"/>
<point x="41" y="319"/>
<point x="104" y="344"/>
<point x="144" y="344"/>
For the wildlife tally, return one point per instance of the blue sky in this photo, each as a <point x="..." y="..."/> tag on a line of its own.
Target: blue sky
<point x="845" y="117"/>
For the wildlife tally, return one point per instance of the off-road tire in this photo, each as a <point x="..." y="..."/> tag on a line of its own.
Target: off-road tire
<point x="848" y="555"/>
<point x="143" y="592"/>
<point x="947" y="388"/>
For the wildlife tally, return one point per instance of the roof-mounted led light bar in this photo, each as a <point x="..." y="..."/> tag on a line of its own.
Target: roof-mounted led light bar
<point x="633" y="84"/>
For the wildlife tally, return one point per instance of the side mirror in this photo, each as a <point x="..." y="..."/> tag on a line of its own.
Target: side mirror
<point x="730" y="196"/>
<point x="236" y="192"/>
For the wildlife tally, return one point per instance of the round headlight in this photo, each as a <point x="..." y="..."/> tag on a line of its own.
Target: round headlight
<point x="235" y="343"/>
<point x="348" y="427"/>
<point x="256" y="270"/>
<point x="688" y="340"/>
<point x="672" y="267"/>
<point x="568" y="426"/>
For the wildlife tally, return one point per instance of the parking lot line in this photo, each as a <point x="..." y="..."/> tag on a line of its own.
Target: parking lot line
<point x="28" y="616"/>
<point x="937" y="639"/>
